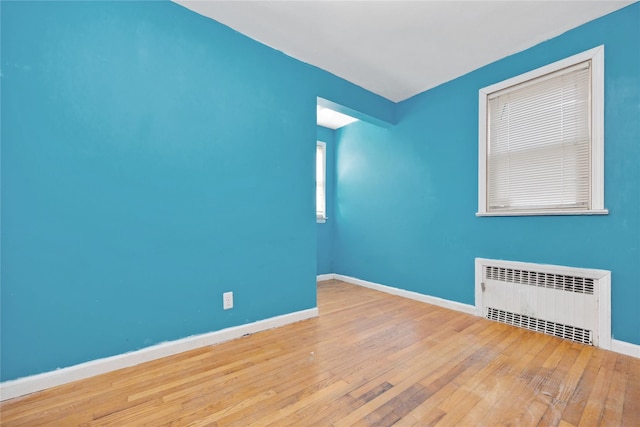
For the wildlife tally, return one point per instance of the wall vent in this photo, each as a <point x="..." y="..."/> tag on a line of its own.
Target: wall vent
<point x="570" y="303"/>
<point x="583" y="285"/>
<point x="568" y="332"/>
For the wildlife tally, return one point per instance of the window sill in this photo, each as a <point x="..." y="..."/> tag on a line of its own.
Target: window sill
<point x="544" y="213"/>
<point x="321" y="219"/>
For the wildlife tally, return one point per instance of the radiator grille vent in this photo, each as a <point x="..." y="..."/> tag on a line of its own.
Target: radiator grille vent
<point x="572" y="333"/>
<point x="581" y="285"/>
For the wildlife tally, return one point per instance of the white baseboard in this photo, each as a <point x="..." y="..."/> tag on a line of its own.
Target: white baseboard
<point x="453" y="305"/>
<point x="31" y="384"/>
<point x="34" y="383"/>
<point x="624" y="347"/>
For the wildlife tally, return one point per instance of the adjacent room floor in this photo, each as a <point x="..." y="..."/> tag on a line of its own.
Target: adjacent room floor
<point x="369" y="359"/>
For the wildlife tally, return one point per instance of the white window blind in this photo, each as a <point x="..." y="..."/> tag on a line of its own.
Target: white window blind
<point x="321" y="211"/>
<point x="539" y="143"/>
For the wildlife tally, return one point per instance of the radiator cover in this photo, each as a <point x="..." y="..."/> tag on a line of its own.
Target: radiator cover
<point x="567" y="302"/>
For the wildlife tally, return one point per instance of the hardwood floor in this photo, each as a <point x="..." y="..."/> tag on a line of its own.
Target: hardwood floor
<point x="369" y="359"/>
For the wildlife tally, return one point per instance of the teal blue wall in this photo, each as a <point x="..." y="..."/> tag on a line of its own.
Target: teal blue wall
<point x="324" y="239"/>
<point x="152" y="159"/>
<point x="406" y="196"/>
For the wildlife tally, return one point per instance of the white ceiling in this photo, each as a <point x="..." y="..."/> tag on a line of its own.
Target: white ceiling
<point x="398" y="49"/>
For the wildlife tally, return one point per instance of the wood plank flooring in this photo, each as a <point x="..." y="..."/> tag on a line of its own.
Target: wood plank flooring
<point x="369" y="359"/>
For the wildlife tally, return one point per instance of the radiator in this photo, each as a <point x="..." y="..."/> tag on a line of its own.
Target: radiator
<point x="567" y="302"/>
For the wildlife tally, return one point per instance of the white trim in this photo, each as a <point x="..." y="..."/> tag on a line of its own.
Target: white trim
<point x="626" y="348"/>
<point x="597" y="127"/>
<point x="483" y="100"/>
<point x="321" y="215"/>
<point x="547" y="69"/>
<point x="323" y="277"/>
<point x="452" y="305"/>
<point x="596" y="55"/>
<point x="540" y="213"/>
<point x="31" y="384"/>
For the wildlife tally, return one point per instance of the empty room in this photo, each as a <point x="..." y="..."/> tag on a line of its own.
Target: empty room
<point x="320" y="213"/>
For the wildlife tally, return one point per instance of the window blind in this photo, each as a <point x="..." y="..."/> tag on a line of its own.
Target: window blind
<point x="539" y="143"/>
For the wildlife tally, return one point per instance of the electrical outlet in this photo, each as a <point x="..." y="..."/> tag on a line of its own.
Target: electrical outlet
<point x="227" y="300"/>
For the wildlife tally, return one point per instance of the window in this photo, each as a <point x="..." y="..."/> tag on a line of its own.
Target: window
<point x="541" y="148"/>
<point x="321" y="174"/>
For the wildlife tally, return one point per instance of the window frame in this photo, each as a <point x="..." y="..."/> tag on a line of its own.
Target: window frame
<point x="321" y="215"/>
<point x="596" y="205"/>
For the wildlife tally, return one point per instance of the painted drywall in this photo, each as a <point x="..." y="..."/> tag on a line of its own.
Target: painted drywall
<point x="152" y="159"/>
<point x="324" y="242"/>
<point x="406" y="196"/>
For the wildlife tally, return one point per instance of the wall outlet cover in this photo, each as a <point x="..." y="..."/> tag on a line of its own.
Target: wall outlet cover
<point x="227" y="300"/>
